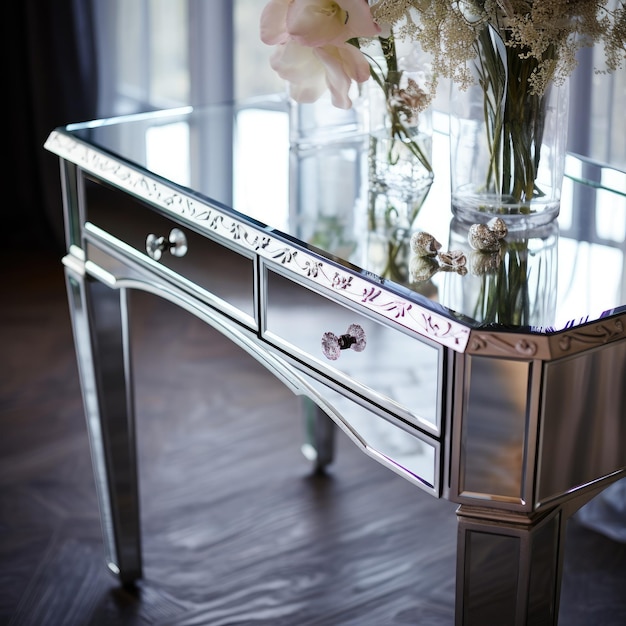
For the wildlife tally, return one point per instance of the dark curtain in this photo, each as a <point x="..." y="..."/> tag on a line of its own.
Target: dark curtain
<point x="51" y="79"/>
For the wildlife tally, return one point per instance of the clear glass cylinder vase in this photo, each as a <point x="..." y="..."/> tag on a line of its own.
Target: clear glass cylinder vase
<point x="507" y="142"/>
<point x="399" y="124"/>
<point x="321" y="123"/>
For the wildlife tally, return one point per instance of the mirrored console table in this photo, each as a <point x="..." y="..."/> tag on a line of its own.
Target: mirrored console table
<point x="499" y="387"/>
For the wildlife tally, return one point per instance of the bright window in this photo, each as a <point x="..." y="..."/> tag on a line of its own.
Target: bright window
<point x="158" y="54"/>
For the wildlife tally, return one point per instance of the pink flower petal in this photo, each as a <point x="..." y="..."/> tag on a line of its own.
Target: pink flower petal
<point x="337" y="79"/>
<point x="302" y="69"/>
<point x="354" y="62"/>
<point x="273" y="22"/>
<point x="316" y="22"/>
<point x="360" y="22"/>
<point x="311" y="50"/>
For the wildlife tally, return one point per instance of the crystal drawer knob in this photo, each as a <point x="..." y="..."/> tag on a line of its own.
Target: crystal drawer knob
<point x="176" y="244"/>
<point x="354" y="339"/>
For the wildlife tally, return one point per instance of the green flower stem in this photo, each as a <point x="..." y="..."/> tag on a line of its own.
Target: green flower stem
<point x="492" y="80"/>
<point x="391" y="269"/>
<point x="504" y="297"/>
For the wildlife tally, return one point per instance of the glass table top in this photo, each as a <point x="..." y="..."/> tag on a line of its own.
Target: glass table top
<point x="319" y="196"/>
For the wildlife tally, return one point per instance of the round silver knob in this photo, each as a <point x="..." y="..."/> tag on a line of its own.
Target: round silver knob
<point x="353" y="339"/>
<point x="176" y="244"/>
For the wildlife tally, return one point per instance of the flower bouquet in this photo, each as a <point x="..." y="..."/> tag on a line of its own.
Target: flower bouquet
<point x="508" y="144"/>
<point x="517" y="54"/>
<point x="326" y="45"/>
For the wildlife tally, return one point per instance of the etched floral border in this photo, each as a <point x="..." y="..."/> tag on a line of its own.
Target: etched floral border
<point x="315" y="269"/>
<point x="548" y="347"/>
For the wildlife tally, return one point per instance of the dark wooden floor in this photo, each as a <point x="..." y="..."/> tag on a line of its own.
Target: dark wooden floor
<point x="236" y="529"/>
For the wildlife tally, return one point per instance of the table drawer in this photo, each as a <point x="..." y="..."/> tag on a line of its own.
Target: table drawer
<point x="401" y="373"/>
<point x="407" y="451"/>
<point x="212" y="270"/>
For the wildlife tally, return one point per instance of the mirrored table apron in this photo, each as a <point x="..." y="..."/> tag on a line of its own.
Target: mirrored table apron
<point x="500" y="387"/>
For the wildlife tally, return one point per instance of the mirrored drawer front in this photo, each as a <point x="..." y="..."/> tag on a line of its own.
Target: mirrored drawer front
<point x="413" y="455"/>
<point x="219" y="273"/>
<point x="401" y="373"/>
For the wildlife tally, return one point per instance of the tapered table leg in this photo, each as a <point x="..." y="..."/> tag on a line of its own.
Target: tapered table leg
<point x="100" y="324"/>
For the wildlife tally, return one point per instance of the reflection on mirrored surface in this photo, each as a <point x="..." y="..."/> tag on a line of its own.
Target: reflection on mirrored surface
<point x="495" y="427"/>
<point x="393" y="369"/>
<point x="413" y="457"/>
<point x="512" y="285"/>
<point x="321" y="198"/>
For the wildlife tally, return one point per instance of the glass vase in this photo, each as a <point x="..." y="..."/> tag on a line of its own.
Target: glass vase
<point x="507" y="143"/>
<point x="321" y="123"/>
<point x="400" y="173"/>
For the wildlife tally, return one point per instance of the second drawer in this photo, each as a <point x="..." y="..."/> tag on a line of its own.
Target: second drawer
<point x="401" y="373"/>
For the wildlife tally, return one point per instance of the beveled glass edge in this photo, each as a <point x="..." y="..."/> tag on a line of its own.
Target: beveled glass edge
<point x="148" y="115"/>
<point x="590" y="173"/>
